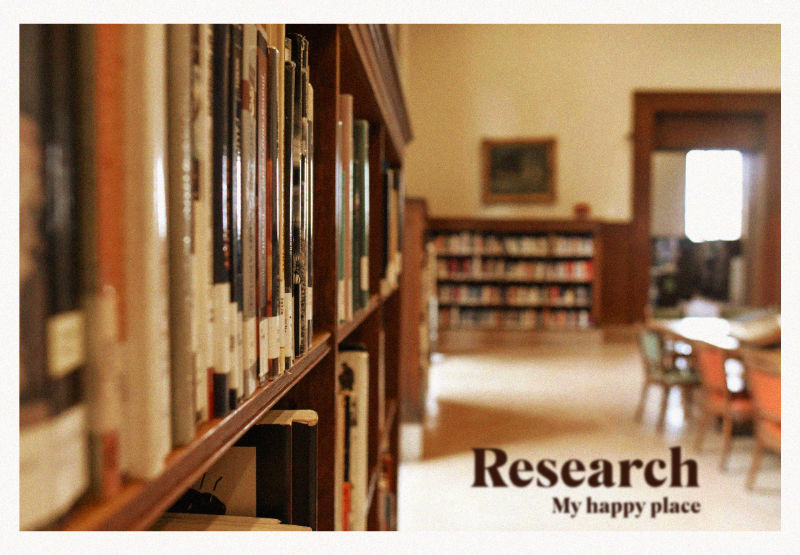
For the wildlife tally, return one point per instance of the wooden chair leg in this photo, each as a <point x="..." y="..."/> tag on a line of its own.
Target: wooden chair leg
<point x="758" y="452"/>
<point x="684" y="402"/>
<point x="662" y="414"/>
<point x="701" y="429"/>
<point x="689" y="407"/>
<point x="640" y="409"/>
<point x="727" y="435"/>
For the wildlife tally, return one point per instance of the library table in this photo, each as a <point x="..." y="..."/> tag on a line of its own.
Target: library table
<point x="715" y="332"/>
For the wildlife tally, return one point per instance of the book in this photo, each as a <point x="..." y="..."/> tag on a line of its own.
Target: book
<point x="361" y="213"/>
<point x="183" y="522"/>
<point x="101" y="200"/>
<point x="288" y="205"/>
<point x="202" y="220"/>
<point x="274" y="241"/>
<point x="263" y="214"/>
<point x="235" y="214"/>
<point x="248" y="102"/>
<point x="346" y="116"/>
<point x="270" y="472"/>
<point x="310" y="218"/>
<point x="221" y="222"/>
<point x="300" y="190"/>
<point x="146" y="435"/>
<point x="351" y="473"/>
<point x="179" y="229"/>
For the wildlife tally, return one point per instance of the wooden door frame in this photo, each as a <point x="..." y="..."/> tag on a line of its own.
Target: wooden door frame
<point x="648" y="105"/>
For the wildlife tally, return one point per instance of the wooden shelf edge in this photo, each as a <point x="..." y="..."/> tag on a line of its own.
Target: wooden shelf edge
<point x="373" y="45"/>
<point x="345" y="329"/>
<point x="518" y="225"/>
<point x="141" y="503"/>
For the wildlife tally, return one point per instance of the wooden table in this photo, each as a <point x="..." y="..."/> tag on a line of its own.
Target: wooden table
<point x="716" y="332"/>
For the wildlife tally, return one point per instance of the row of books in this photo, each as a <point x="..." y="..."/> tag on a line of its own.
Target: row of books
<point x="271" y="471"/>
<point x="353" y="214"/>
<point x="470" y="242"/>
<point x="513" y="318"/>
<point x="499" y="270"/>
<point x="482" y="294"/>
<point x="166" y="178"/>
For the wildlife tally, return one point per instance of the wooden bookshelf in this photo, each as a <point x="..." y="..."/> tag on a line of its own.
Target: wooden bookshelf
<point x="359" y="60"/>
<point x="463" y="266"/>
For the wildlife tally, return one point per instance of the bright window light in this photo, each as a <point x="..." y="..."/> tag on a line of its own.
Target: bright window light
<point x="713" y="195"/>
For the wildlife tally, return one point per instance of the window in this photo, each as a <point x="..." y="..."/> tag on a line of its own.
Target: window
<point x="713" y="196"/>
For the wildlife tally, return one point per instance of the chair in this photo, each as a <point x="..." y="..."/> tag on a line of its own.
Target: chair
<point x="718" y="400"/>
<point x="764" y="381"/>
<point x="656" y="372"/>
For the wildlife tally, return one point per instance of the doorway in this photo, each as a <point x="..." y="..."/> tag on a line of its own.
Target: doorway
<point x="683" y="121"/>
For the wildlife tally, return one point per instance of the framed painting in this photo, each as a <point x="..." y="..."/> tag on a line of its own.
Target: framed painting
<point x="518" y="170"/>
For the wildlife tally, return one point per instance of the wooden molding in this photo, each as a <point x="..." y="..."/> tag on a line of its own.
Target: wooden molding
<point x="373" y="44"/>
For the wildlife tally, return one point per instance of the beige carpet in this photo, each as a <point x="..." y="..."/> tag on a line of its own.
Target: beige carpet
<point x="562" y="401"/>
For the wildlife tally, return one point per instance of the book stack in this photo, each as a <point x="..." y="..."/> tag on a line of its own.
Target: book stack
<point x="352" y="210"/>
<point x="166" y="271"/>
<point x="270" y="473"/>
<point x="393" y="232"/>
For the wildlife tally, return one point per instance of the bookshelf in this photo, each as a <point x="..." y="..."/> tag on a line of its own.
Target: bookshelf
<point x="359" y="60"/>
<point x="520" y="275"/>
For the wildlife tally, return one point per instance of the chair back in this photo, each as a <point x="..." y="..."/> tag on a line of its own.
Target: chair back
<point x="765" y="386"/>
<point x="710" y="363"/>
<point x="650" y="347"/>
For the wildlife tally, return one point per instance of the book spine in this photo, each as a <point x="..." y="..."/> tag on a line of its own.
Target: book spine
<point x="346" y="114"/>
<point x="248" y="99"/>
<point x="263" y="216"/>
<point x="288" y="207"/>
<point x="310" y="219"/>
<point x="361" y="188"/>
<point x="235" y="214"/>
<point x="36" y="473"/>
<point x="356" y="464"/>
<point x="101" y="177"/>
<point x="65" y="334"/>
<point x="340" y="224"/>
<point x="202" y="221"/>
<point x="387" y="224"/>
<point x="179" y="231"/>
<point x="221" y="221"/>
<point x="304" y="475"/>
<point x="147" y="361"/>
<point x="401" y="202"/>
<point x="298" y="49"/>
<point x="275" y="323"/>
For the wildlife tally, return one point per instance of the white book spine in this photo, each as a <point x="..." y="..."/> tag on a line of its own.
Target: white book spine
<point x="147" y="375"/>
<point x="202" y="220"/>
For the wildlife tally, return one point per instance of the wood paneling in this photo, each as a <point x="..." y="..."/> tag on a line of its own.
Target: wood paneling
<point x="615" y="277"/>
<point x="414" y="227"/>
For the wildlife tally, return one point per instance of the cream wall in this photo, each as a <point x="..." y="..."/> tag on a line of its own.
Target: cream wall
<point x="573" y="82"/>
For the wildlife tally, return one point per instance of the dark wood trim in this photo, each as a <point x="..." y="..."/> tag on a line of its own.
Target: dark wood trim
<point x="648" y="107"/>
<point x="141" y="503"/>
<point x="372" y="43"/>
<point x="512" y="226"/>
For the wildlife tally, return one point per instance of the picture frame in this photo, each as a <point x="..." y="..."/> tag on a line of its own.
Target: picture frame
<point x="519" y="170"/>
